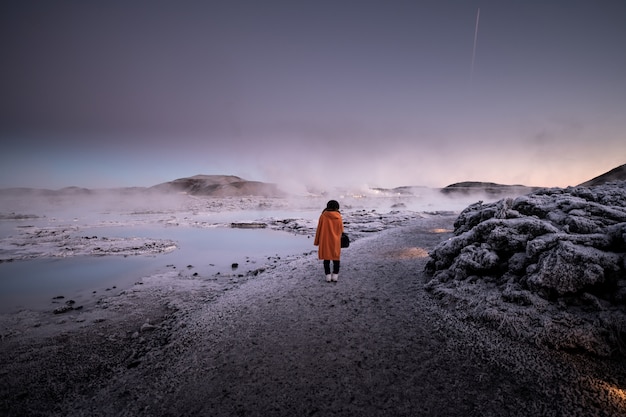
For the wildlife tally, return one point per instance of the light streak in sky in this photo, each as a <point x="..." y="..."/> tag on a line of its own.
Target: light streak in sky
<point x="474" y="49"/>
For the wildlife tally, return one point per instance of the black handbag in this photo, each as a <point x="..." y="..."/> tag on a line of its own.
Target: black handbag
<point x="345" y="240"/>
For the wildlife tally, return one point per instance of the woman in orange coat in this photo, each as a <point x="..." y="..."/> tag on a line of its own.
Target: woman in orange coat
<point x="328" y="239"/>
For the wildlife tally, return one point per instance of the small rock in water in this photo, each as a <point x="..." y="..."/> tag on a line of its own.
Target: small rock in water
<point x="248" y="225"/>
<point x="63" y="309"/>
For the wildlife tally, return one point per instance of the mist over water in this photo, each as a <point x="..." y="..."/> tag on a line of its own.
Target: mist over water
<point x="200" y="227"/>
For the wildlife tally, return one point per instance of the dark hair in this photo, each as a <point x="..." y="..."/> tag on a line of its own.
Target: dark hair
<point x="332" y="205"/>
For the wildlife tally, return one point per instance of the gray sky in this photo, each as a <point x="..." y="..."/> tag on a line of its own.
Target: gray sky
<point x="328" y="93"/>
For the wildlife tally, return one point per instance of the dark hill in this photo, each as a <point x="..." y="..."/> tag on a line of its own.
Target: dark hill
<point x="616" y="174"/>
<point x="220" y="186"/>
<point x="487" y="188"/>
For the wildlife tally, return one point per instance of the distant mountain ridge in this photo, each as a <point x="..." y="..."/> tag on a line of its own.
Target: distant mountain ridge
<point x="234" y="186"/>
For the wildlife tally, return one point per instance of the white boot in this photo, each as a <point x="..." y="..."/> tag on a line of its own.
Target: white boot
<point x="328" y="278"/>
<point x="334" y="277"/>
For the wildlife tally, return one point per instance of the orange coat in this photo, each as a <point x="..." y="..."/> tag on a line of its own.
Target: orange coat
<point x="328" y="235"/>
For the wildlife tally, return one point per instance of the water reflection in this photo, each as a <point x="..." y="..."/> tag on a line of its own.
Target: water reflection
<point x="209" y="251"/>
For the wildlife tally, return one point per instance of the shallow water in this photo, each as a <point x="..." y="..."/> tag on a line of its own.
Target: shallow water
<point x="34" y="283"/>
<point x="209" y="252"/>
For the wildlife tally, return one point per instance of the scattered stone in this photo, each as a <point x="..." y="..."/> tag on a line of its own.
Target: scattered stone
<point x="147" y="327"/>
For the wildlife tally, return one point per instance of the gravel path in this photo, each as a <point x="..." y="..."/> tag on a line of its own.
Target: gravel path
<point x="286" y="343"/>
